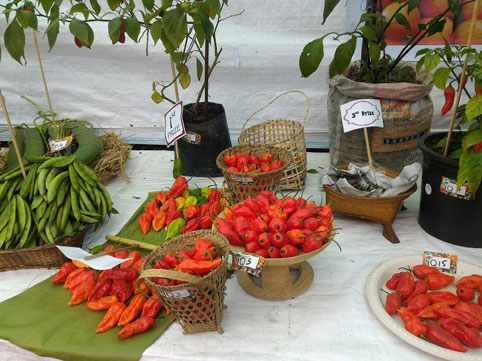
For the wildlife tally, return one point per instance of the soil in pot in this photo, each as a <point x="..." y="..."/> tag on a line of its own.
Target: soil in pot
<point x="445" y="213"/>
<point x="206" y="138"/>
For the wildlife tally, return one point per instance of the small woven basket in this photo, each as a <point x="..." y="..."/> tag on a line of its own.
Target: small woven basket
<point x="240" y="185"/>
<point x="284" y="133"/>
<point x="203" y="310"/>
<point x="47" y="256"/>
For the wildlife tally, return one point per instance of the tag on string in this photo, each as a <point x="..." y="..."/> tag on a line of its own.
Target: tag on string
<point x="57" y="145"/>
<point x="174" y="124"/>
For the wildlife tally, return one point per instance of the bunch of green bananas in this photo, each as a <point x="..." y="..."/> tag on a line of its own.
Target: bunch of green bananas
<point x="58" y="197"/>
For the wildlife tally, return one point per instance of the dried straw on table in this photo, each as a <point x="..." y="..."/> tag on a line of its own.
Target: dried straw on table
<point x="113" y="158"/>
<point x="3" y="160"/>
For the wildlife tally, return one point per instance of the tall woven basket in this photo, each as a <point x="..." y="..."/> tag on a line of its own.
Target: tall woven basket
<point x="284" y="133"/>
<point x="202" y="309"/>
<point x="240" y="186"/>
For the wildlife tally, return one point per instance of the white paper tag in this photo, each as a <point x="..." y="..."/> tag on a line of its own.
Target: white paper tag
<point x="57" y="145"/>
<point x="100" y="263"/>
<point x="361" y="113"/>
<point x="439" y="262"/>
<point x="246" y="260"/>
<point x="192" y="138"/>
<point x="444" y="261"/>
<point x="184" y="293"/>
<point x="173" y="124"/>
<point x="242" y="179"/>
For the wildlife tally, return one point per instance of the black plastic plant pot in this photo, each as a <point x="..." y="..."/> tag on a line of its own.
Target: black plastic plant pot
<point x="445" y="213"/>
<point x="205" y="139"/>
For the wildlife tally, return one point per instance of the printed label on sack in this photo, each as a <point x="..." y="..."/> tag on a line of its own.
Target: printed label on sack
<point x="184" y="293"/>
<point x="192" y="138"/>
<point x="449" y="187"/>
<point x="361" y="113"/>
<point x="174" y="124"/>
<point x="248" y="263"/>
<point x="242" y="179"/>
<point x="443" y="261"/>
<point x="59" y="144"/>
<point x="401" y="129"/>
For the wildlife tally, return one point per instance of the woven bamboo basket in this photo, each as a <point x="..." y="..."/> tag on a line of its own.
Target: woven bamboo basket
<point x="203" y="310"/>
<point x="240" y="185"/>
<point x="47" y="256"/>
<point x="284" y="133"/>
<point x="380" y="209"/>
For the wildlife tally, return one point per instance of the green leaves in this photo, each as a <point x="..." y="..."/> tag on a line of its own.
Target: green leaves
<point x="148" y="4"/>
<point x="430" y="62"/>
<point x="199" y="69"/>
<point x="157" y="97"/>
<point x="114" y="29"/>
<point x="27" y="19"/>
<point x="311" y="57"/>
<point x="46" y="5"/>
<point x="184" y="76"/>
<point x="52" y="32"/>
<point x="113" y="4"/>
<point x="470" y="170"/>
<point x="343" y="56"/>
<point x="82" y="31"/>
<point x="440" y="77"/>
<point x="156" y="29"/>
<point x="329" y="7"/>
<point x="14" y="39"/>
<point x="471" y="139"/>
<point x="80" y="8"/>
<point x="174" y="29"/>
<point x="132" y="28"/>
<point x="95" y="6"/>
<point x="473" y="109"/>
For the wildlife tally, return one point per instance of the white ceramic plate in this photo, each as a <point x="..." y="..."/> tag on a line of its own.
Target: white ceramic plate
<point x="376" y="299"/>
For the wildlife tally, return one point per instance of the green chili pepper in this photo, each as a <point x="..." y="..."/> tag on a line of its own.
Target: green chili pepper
<point x="175" y="228"/>
<point x="97" y="249"/>
<point x="177" y="170"/>
<point x="190" y="201"/>
<point x="205" y="191"/>
<point x="196" y="192"/>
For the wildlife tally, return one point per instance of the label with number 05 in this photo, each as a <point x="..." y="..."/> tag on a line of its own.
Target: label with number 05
<point x="246" y="260"/>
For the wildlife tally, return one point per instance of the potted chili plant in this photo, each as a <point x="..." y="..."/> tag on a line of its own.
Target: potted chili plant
<point x="406" y="105"/>
<point x="187" y="30"/>
<point x="452" y="169"/>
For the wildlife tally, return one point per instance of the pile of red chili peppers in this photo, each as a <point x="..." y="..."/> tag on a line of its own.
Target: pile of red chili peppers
<point x="273" y="227"/>
<point x="451" y="320"/>
<point x="247" y="163"/>
<point x="198" y="261"/>
<point x="114" y="290"/>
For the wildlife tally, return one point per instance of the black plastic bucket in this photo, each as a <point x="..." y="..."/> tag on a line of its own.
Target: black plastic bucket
<point x="205" y="139"/>
<point x="443" y="214"/>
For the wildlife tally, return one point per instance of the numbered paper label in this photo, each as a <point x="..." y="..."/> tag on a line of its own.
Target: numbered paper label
<point x="449" y="187"/>
<point x="185" y="293"/>
<point x="57" y="145"/>
<point x="243" y="179"/>
<point x="192" y="138"/>
<point x="246" y="260"/>
<point x="361" y="113"/>
<point x="443" y="261"/>
<point x="174" y="124"/>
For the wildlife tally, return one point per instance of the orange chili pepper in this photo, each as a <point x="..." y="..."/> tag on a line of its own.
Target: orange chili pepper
<point x="159" y="221"/>
<point x="111" y="317"/>
<point x="134" y="308"/>
<point x="103" y="303"/>
<point x="81" y="292"/>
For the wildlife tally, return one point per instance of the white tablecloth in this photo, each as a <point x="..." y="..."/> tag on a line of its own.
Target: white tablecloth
<point x="330" y="321"/>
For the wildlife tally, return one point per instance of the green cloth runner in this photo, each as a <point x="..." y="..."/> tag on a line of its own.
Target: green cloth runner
<point x="40" y="320"/>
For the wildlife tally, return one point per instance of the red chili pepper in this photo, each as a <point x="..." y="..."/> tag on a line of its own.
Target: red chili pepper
<point x="81" y="292"/>
<point x="233" y="238"/>
<point x="325" y="212"/>
<point x="418" y="303"/>
<point x="412" y="323"/>
<point x="469" y="336"/>
<point x="289" y="251"/>
<point x="474" y="281"/>
<point x="436" y="281"/>
<point x="251" y="204"/>
<point x="464" y="317"/>
<point x="422" y="270"/>
<point x="264" y="240"/>
<point x="478" y="86"/>
<point x="449" y="99"/>
<point x="288" y="205"/>
<point x="151" y="307"/>
<point x="406" y="285"/>
<point x="392" y="283"/>
<point x="215" y="208"/>
<point x="295" y="236"/>
<point x="421" y="287"/>
<point x="206" y="254"/>
<point x="205" y="222"/>
<point x="262" y="202"/>
<point x="191" y="225"/>
<point x="443" y="296"/>
<point x="66" y="269"/>
<point x="230" y="160"/>
<point x="252" y="247"/>
<point x="443" y="338"/>
<point x="161" y="197"/>
<point x="277" y="225"/>
<point x="103" y="303"/>
<point x="311" y="243"/>
<point x="145" y="220"/>
<point x="275" y="212"/>
<point x="262" y="252"/>
<point x="134" y="257"/>
<point x="465" y="293"/>
<point x="123" y="289"/>
<point x="241" y="225"/>
<point x="471" y="308"/>
<point x="172" y="259"/>
<point x="205" y="208"/>
<point x="77" y="280"/>
<point x="393" y="303"/>
<point x="259" y="225"/>
<point x="243" y="211"/>
<point x="128" y="274"/>
<point x="111" y="317"/>
<point x="171" y="216"/>
<point x="279" y="240"/>
<point x="192" y="211"/>
<point x="200" y="268"/>
<point x="273" y="252"/>
<point x="478" y="147"/>
<point x="101" y="289"/>
<point x="159" y="221"/>
<point x="311" y="223"/>
<point x="152" y="208"/>
<point x="428" y="312"/>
